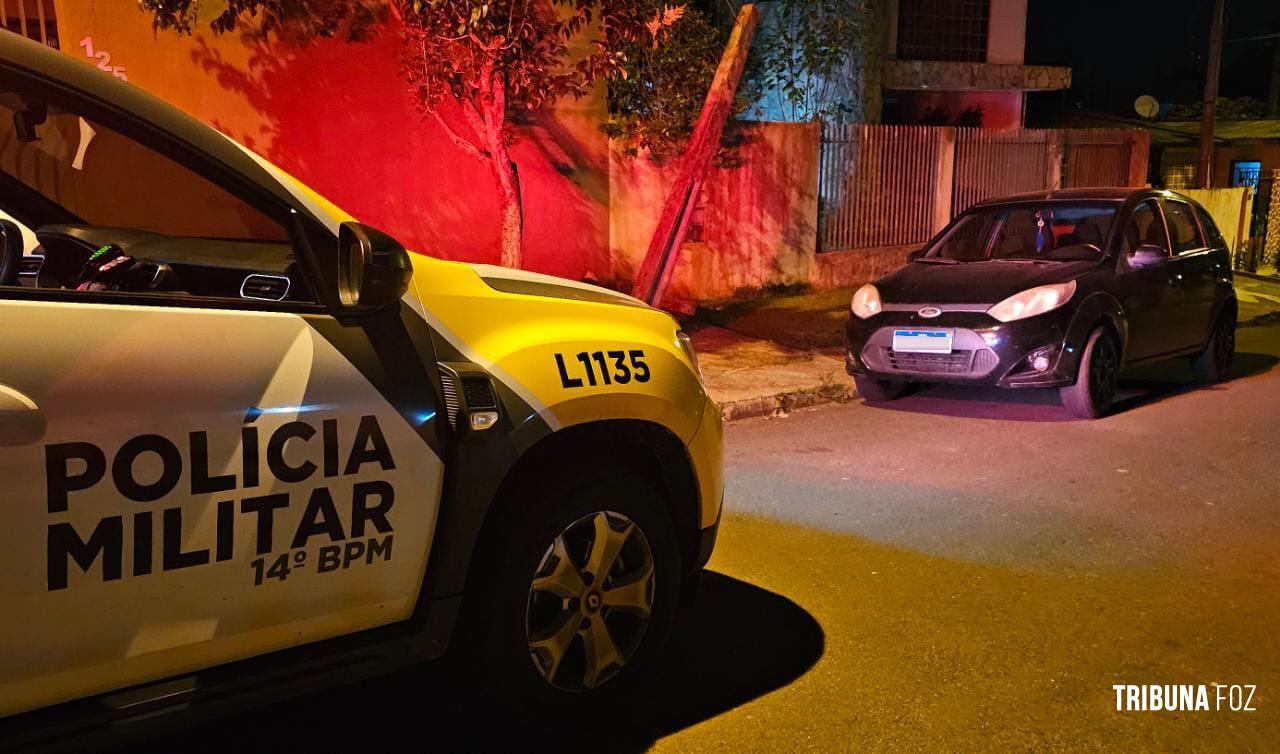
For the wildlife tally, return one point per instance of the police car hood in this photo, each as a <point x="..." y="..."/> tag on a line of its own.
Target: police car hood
<point x="985" y="282"/>
<point x="535" y="284"/>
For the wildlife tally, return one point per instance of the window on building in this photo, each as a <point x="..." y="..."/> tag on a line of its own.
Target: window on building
<point x="34" y="19"/>
<point x="1245" y="172"/>
<point x="954" y="30"/>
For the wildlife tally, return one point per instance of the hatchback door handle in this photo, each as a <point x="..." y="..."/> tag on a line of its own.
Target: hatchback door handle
<point x="21" y="421"/>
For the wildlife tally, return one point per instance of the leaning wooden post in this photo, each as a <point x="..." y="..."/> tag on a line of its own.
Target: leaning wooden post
<point x="659" y="261"/>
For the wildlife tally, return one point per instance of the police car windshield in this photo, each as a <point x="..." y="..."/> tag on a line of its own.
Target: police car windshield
<point x="1051" y="231"/>
<point x="104" y="178"/>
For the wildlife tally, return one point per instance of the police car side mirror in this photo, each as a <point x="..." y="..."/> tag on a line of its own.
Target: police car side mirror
<point x="373" y="268"/>
<point x="1146" y="255"/>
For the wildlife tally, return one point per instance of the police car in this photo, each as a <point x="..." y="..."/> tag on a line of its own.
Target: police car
<point x="250" y="446"/>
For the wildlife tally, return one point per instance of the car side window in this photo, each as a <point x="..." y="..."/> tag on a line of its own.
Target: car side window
<point x="114" y="214"/>
<point x="1144" y="229"/>
<point x="1183" y="228"/>
<point x="1212" y="235"/>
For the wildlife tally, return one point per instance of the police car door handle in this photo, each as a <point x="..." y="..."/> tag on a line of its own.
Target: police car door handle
<point x="21" y="422"/>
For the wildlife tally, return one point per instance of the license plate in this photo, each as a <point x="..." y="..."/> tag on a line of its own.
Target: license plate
<point x="923" y="341"/>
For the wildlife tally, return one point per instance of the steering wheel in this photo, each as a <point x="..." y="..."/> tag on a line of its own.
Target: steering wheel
<point x="10" y="252"/>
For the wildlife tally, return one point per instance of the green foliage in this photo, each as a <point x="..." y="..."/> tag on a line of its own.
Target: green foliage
<point x="807" y="56"/>
<point x="293" y="20"/>
<point x="655" y="101"/>
<point x="464" y="48"/>
<point x="1228" y="108"/>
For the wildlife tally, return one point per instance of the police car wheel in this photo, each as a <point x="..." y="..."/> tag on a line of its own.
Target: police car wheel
<point x="585" y="597"/>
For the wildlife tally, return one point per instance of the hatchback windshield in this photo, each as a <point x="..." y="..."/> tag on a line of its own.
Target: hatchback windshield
<point x="1051" y="231"/>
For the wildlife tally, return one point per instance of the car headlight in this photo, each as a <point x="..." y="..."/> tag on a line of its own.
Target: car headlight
<point x="1033" y="301"/>
<point x="866" y="302"/>
<point x="686" y="345"/>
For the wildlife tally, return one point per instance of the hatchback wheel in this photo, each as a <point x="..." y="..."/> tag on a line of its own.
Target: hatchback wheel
<point x="1095" y="388"/>
<point x="1214" y="363"/>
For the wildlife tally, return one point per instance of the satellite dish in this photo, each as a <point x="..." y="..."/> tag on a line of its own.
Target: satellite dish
<point x="1147" y="106"/>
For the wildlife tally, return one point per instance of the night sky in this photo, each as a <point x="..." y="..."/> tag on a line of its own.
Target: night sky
<point x="1120" y="49"/>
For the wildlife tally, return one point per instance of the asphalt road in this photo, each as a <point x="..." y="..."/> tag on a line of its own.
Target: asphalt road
<point x="958" y="570"/>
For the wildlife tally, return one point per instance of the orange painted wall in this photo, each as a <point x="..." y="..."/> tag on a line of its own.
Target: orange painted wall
<point x="338" y="116"/>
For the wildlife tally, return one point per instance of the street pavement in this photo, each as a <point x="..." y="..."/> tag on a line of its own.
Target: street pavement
<point x="960" y="570"/>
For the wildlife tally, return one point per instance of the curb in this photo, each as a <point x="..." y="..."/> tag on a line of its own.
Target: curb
<point x="781" y="403"/>
<point x="1256" y="276"/>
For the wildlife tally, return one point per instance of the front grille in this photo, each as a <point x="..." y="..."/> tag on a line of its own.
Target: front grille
<point x="956" y="362"/>
<point x="479" y="393"/>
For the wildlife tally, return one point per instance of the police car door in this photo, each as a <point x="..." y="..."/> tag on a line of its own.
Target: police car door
<point x="196" y="471"/>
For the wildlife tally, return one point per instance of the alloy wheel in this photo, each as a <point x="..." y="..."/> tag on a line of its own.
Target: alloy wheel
<point x="1103" y="369"/>
<point x="590" y="601"/>
<point x="1224" y="345"/>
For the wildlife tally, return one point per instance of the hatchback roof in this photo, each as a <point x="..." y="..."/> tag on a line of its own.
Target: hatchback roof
<point x="1112" y="193"/>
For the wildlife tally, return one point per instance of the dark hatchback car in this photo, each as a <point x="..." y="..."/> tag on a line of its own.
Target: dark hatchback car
<point x="1057" y="289"/>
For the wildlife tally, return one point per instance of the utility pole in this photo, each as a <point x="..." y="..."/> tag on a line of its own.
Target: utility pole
<point x="1273" y="100"/>
<point x="1205" y="172"/>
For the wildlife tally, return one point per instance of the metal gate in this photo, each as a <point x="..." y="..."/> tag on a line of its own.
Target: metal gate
<point x="876" y="185"/>
<point x="992" y="163"/>
<point x="896" y="185"/>
<point x="1096" y="157"/>
<point x="1262" y="248"/>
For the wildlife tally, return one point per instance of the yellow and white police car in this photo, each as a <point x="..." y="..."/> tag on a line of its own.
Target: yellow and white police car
<point x="247" y="443"/>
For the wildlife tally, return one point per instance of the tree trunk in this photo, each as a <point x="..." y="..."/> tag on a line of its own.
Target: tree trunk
<point x="492" y="125"/>
<point x="512" y="210"/>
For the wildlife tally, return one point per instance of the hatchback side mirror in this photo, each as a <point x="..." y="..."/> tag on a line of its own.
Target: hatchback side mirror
<point x="1147" y="255"/>
<point x="374" y="270"/>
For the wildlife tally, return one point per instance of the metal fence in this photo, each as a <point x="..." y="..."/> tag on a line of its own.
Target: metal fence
<point x="993" y="163"/>
<point x="1096" y="157"/>
<point x="876" y="185"/>
<point x="896" y="185"/>
<point x="34" y="19"/>
<point x="1262" y="248"/>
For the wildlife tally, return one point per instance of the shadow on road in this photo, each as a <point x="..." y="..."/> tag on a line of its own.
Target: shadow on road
<point x="1138" y="387"/>
<point x="737" y="643"/>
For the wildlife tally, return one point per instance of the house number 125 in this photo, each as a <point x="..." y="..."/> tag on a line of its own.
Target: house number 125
<point x="104" y="59"/>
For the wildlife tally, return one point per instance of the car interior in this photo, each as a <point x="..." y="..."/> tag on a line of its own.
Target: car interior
<point x="1056" y="232"/>
<point x="83" y="207"/>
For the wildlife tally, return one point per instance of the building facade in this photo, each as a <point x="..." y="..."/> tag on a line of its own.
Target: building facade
<point x="960" y="62"/>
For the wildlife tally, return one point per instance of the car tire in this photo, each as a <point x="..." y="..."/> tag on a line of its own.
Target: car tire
<point x="1214" y="362"/>
<point x="878" y="391"/>
<point x="1094" y="390"/>
<point x="517" y="621"/>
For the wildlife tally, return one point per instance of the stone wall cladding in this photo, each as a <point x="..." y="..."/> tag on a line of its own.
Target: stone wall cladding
<point x="944" y="75"/>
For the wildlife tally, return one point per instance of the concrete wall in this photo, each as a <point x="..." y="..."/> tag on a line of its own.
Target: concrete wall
<point x="1266" y="152"/>
<point x="1007" y="32"/>
<point x="759" y="214"/>
<point x="339" y="117"/>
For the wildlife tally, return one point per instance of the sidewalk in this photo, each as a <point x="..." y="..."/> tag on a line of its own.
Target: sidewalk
<point x="771" y="355"/>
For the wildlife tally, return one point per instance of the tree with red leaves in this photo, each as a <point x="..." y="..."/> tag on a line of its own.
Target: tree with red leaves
<point x="487" y="56"/>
